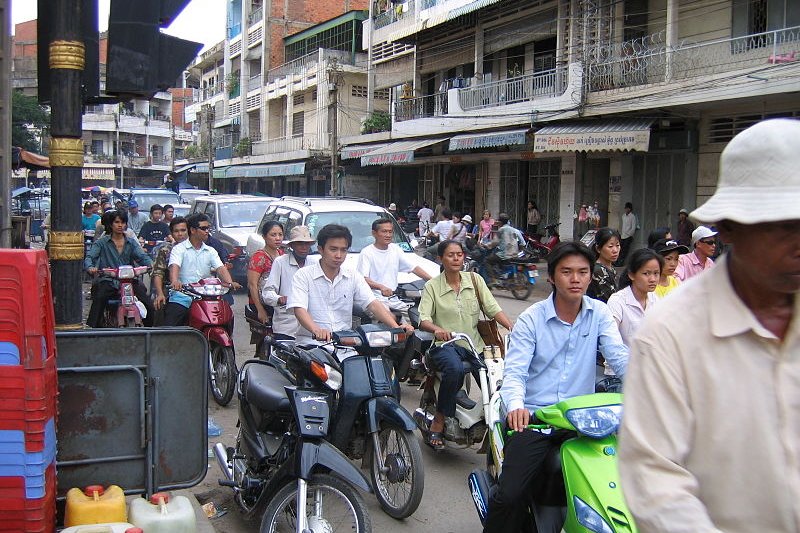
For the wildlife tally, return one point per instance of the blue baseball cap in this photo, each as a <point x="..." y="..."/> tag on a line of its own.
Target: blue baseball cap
<point x="133" y="203"/>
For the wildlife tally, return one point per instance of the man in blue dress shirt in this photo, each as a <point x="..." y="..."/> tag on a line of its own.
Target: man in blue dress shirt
<point x="551" y="357"/>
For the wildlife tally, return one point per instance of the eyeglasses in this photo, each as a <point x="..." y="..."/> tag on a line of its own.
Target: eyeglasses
<point x="709" y="242"/>
<point x="204" y="228"/>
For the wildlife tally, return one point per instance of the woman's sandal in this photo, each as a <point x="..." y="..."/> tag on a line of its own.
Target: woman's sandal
<point x="435" y="436"/>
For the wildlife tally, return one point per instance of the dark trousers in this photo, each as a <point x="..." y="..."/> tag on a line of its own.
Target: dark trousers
<point x="625" y="248"/>
<point x="175" y="314"/>
<point x="103" y="291"/>
<point x="524" y="455"/>
<point x="447" y="360"/>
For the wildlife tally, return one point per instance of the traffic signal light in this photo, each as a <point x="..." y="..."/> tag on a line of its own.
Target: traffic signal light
<point x="141" y="59"/>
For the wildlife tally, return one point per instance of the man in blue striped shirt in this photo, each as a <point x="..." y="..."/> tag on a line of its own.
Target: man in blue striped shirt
<point x="551" y="357"/>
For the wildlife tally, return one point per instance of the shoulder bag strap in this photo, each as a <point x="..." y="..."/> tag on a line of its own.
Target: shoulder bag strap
<point x="478" y="293"/>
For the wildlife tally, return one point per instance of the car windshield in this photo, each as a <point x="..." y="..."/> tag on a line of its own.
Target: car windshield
<point x="146" y="199"/>
<point x="241" y="214"/>
<point x="360" y="225"/>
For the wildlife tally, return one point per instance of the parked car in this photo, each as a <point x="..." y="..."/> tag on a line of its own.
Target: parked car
<point x="188" y="195"/>
<point x="355" y="214"/>
<point x="182" y="210"/>
<point x="233" y="218"/>
<point x="147" y="197"/>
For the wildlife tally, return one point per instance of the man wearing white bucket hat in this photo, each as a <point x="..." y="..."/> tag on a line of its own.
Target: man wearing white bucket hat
<point x="710" y="440"/>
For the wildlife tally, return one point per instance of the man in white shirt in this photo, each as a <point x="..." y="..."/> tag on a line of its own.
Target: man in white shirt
<point x="323" y="294"/>
<point x="425" y="216"/>
<point x="279" y="283"/>
<point x="136" y="219"/>
<point x="189" y="262"/>
<point x="441" y="230"/>
<point x="627" y="232"/>
<point x="381" y="262"/>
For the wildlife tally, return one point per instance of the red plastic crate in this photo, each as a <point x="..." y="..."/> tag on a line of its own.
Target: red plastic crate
<point x="32" y="516"/>
<point x="28" y="399"/>
<point x="26" y="305"/>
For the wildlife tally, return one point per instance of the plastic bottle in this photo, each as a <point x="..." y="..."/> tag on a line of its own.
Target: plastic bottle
<point x="116" y="527"/>
<point x="95" y="505"/>
<point x="213" y="429"/>
<point x="163" y="514"/>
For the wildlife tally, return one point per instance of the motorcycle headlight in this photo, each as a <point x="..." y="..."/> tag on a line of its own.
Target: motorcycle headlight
<point x="210" y="290"/>
<point x="589" y="518"/>
<point x="596" y="422"/>
<point x="126" y="272"/>
<point x="379" y="339"/>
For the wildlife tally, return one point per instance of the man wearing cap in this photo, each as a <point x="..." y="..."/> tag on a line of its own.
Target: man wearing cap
<point x="136" y="219"/>
<point x="381" y="262"/>
<point x="685" y="228"/>
<point x="278" y="287"/>
<point x="710" y="440"/>
<point x="704" y="243"/>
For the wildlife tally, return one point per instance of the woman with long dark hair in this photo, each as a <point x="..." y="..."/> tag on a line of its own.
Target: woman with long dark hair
<point x="606" y="247"/>
<point x="637" y="291"/>
<point x="260" y="265"/>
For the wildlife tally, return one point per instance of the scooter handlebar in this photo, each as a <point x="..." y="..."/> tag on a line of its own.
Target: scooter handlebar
<point x="455" y="336"/>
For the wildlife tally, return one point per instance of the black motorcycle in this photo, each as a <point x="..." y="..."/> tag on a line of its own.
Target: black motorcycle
<point x="282" y="467"/>
<point x="368" y="421"/>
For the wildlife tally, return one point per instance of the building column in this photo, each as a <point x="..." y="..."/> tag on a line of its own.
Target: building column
<point x="615" y="196"/>
<point x="479" y="40"/>
<point x="672" y="36"/>
<point x="492" y="188"/>
<point x="290" y="108"/>
<point x="561" y="29"/>
<point x="567" y="211"/>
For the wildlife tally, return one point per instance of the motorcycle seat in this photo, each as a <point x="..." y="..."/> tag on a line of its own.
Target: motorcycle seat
<point x="263" y="387"/>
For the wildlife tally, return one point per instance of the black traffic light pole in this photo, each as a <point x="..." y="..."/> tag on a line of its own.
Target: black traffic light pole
<point x="66" y="63"/>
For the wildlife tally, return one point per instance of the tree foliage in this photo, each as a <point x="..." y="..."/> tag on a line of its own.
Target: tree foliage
<point x="27" y="116"/>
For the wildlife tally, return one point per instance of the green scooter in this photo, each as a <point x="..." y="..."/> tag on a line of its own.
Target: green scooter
<point x="579" y="489"/>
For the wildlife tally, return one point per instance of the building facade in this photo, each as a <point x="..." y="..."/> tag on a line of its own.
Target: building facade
<point x="569" y="103"/>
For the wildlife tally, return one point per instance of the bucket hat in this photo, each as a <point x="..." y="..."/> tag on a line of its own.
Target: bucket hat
<point x="759" y="176"/>
<point x="299" y="234"/>
<point x="702" y="232"/>
<point x="467" y="218"/>
<point x="665" y="246"/>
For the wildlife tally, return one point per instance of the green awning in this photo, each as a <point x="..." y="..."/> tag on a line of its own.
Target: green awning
<point x="219" y="173"/>
<point x="266" y="171"/>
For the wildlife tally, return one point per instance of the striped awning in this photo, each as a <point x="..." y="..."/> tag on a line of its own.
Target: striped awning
<point x="595" y="136"/>
<point x="357" y="150"/>
<point x="489" y="139"/>
<point x="397" y="152"/>
<point x="266" y="171"/>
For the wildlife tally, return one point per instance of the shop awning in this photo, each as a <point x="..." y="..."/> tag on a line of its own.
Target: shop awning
<point x="199" y="168"/>
<point x="489" y="139"/>
<point x="218" y="173"/>
<point x="397" y="152"/>
<point x="596" y="136"/>
<point x="266" y="171"/>
<point x="358" y="150"/>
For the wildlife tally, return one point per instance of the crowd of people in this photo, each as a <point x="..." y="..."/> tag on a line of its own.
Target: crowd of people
<point x="678" y="397"/>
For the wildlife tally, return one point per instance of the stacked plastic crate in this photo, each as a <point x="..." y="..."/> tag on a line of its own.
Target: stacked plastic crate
<point x="28" y="391"/>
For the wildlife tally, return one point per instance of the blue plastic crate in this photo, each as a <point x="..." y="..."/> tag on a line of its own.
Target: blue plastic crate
<point x="9" y="353"/>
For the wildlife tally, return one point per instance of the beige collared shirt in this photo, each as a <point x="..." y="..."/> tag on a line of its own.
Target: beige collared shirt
<point x="710" y="439"/>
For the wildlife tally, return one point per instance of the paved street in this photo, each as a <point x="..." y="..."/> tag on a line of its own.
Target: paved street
<point x="446" y="506"/>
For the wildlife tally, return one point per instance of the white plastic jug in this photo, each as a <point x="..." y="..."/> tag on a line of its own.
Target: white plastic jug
<point x="116" y="527"/>
<point x="163" y="514"/>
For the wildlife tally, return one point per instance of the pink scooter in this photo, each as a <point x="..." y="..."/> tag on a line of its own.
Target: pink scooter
<point x="127" y="313"/>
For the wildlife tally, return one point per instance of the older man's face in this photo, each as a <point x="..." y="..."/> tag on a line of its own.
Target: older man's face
<point x="768" y="253"/>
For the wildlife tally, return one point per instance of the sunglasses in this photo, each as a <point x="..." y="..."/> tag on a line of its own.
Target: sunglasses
<point x="709" y="242"/>
<point x="204" y="228"/>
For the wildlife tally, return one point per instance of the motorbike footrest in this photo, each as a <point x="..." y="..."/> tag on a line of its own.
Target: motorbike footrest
<point x="464" y="401"/>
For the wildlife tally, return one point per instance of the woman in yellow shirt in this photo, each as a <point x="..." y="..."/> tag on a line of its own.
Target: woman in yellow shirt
<point x="450" y="305"/>
<point x="670" y="249"/>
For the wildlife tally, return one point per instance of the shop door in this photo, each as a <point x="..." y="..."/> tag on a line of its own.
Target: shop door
<point x="544" y="188"/>
<point x="511" y="201"/>
<point x="460" y="181"/>
<point x="658" y="190"/>
<point x="594" y="187"/>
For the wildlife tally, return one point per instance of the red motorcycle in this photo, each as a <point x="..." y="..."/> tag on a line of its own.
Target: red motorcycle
<point x="539" y="248"/>
<point x="213" y="317"/>
<point x="127" y="310"/>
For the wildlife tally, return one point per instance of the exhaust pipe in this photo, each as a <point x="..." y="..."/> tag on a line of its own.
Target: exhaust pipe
<point x="222" y="460"/>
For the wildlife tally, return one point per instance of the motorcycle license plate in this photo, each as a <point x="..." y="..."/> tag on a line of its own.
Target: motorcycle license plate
<point x="532" y="275"/>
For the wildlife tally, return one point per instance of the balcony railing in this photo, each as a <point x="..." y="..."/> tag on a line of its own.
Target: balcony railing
<point x="200" y="95"/>
<point x="648" y="60"/>
<point x="545" y="84"/>
<point x="394" y="13"/>
<point x="286" y="144"/>
<point x="431" y="105"/>
<point x="254" y="83"/>
<point x="307" y="62"/>
<point x="100" y="159"/>
<point x="255" y="16"/>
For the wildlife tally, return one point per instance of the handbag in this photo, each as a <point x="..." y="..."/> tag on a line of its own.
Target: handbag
<point x="487" y="328"/>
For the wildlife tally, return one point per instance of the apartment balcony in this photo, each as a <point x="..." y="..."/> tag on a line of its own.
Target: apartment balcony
<point x="257" y="15"/>
<point x="395" y="12"/>
<point x="287" y="144"/>
<point x="686" y="72"/>
<point x="100" y="159"/>
<point x="309" y="70"/>
<point x="498" y="103"/>
<point x="201" y="95"/>
<point x="254" y="83"/>
<point x="527" y="88"/>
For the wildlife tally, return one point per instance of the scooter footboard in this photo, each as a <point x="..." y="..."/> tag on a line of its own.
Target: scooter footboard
<point x="591" y="475"/>
<point x="219" y="335"/>
<point x="388" y="409"/>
